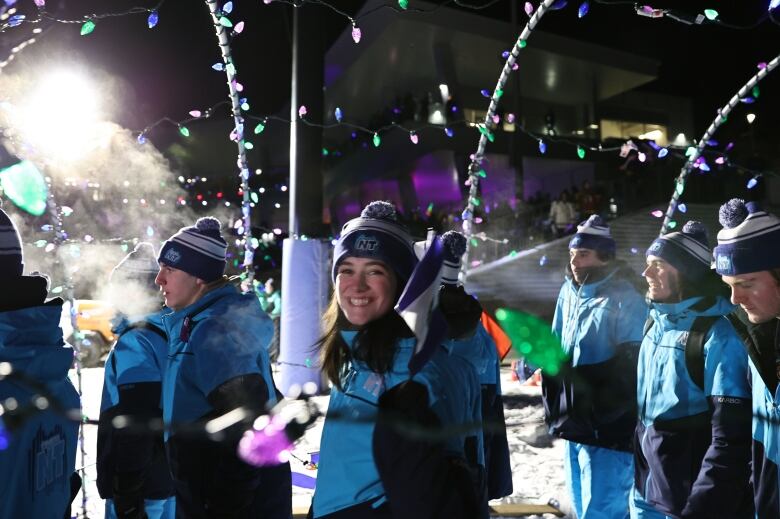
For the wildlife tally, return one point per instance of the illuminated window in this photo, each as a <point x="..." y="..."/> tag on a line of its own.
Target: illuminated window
<point x="627" y="129"/>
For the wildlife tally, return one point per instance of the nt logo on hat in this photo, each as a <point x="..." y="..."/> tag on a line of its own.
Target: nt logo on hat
<point x="172" y="255"/>
<point x="724" y="263"/>
<point x="366" y="243"/>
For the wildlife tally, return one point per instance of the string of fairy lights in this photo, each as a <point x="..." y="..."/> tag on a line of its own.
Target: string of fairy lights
<point x="224" y="25"/>
<point x="694" y="153"/>
<point x="486" y="129"/>
<point x="225" y="29"/>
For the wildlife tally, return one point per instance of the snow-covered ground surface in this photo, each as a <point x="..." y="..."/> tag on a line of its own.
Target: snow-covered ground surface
<point x="537" y="464"/>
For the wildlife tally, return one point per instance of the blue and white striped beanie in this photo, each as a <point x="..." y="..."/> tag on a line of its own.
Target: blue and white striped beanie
<point x="139" y="266"/>
<point x="749" y="240"/>
<point x="377" y="233"/>
<point x="198" y="250"/>
<point x="688" y="250"/>
<point x="593" y="234"/>
<point x="11" y="264"/>
<point x="454" y="248"/>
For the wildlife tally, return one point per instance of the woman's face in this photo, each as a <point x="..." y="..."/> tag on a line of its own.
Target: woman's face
<point x="365" y="289"/>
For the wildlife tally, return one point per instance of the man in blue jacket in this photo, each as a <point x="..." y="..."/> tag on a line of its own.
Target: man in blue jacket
<point x="37" y="444"/>
<point x="592" y="402"/>
<point x="217" y="362"/>
<point x="748" y="259"/>
<point x="132" y="471"/>
<point x="692" y="445"/>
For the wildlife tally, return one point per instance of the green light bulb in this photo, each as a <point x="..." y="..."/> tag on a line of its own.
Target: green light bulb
<point x="224" y="21"/>
<point x="377" y="140"/>
<point x="756" y="91"/>
<point x="498" y="93"/>
<point x="254" y="197"/>
<point x="482" y="173"/>
<point x="474" y="242"/>
<point x="581" y="152"/>
<point x="25" y="186"/>
<point x="522" y="44"/>
<point x="325" y="152"/>
<point x="487" y="133"/>
<point x="88" y="27"/>
<point x="533" y="339"/>
<point x="680" y="188"/>
<point x="672" y="224"/>
<point x="259" y="128"/>
<point x="711" y="14"/>
<point x="476" y="201"/>
<point x="184" y="131"/>
<point x="248" y="145"/>
<point x="403" y="4"/>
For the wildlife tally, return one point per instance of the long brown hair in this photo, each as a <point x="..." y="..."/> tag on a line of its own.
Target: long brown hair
<point x="375" y="342"/>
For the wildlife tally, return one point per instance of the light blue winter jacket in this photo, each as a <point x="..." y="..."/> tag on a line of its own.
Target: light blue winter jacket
<point x="665" y="390"/>
<point x="692" y="442"/>
<point x="599" y="324"/>
<point x="36" y="466"/>
<point x="226" y="337"/>
<point x="347" y="473"/>
<point x="139" y="356"/>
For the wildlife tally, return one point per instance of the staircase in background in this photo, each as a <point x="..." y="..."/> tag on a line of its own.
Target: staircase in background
<point x="530" y="280"/>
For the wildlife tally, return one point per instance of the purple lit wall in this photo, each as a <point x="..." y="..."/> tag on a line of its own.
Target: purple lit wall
<point x="381" y="189"/>
<point x="435" y="180"/>
<point x="348" y="204"/>
<point x="499" y="185"/>
<point x="344" y="206"/>
<point x="553" y="176"/>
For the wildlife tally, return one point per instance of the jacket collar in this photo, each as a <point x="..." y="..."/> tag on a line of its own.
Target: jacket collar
<point x="180" y="323"/>
<point x="590" y="289"/>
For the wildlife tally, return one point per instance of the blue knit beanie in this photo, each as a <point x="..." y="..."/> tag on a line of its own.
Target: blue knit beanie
<point x="749" y="240"/>
<point x="198" y="250"/>
<point x="593" y="234"/>
<point x="688" y="250"/>
<point x="378" y="234"/>
<point x="11" y="264"/>
<point x="140" y="266"/>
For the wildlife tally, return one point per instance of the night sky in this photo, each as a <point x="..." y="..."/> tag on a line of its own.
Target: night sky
<point x="168" y="68"/>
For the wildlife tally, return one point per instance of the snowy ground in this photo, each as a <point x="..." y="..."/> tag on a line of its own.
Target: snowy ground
<point x="536" y="459"/>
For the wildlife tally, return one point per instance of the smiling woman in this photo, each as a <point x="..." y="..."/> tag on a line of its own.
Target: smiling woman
<point x="369" y="468"/>
<point x="365" y="289"/>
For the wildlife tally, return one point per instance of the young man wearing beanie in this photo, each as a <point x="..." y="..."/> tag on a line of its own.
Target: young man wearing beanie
<point x="692" y="444"/>
<point x="217" y="362"/>
<point x="591" y="403"/>
<point x="38" y="446"/>
<point x="748" y="259"/>
<point x="132" y="470"/>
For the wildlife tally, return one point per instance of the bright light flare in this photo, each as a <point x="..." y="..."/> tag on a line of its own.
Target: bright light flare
<point x="61" y="116"/>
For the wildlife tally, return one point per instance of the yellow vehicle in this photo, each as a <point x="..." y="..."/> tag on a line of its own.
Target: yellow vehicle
<point x="93" y="319"/>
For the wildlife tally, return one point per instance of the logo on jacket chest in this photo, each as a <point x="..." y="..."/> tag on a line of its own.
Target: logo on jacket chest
<point x="47" y="459"/>
<point x="375" y="384"/>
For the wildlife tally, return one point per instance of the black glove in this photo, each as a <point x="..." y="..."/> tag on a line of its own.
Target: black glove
<point x="461" y="310"/>
<point x="128" y="496"/>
